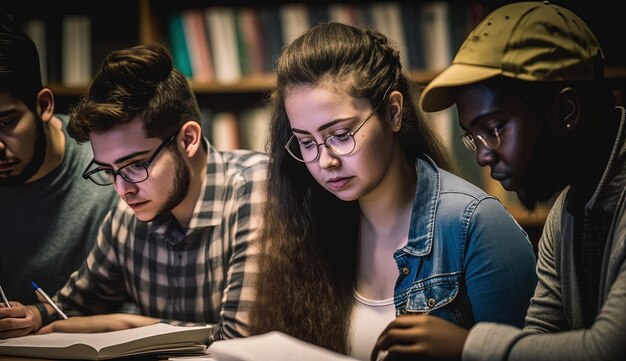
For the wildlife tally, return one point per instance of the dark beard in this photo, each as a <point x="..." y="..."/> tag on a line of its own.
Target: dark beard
<point x="41" y="143"/>
<point x="181" y="184"/>
<point x="548" y="170"/>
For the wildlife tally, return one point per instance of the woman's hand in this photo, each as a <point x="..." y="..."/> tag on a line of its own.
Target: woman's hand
<point x="422" y="336"/>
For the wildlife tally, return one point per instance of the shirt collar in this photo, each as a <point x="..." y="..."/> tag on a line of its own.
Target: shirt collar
<point x="209" y="208"/>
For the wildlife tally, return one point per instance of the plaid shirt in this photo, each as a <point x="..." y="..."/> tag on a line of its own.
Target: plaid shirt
<point x="202" y="275"/>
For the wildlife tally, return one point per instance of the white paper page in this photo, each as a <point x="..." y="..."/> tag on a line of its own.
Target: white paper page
<point x="273" y="346"/>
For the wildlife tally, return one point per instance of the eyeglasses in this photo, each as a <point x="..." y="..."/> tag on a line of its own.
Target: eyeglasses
<point x="491" y="140"/>
<point x="132" y="173"/>
<point x="338" y="144"/>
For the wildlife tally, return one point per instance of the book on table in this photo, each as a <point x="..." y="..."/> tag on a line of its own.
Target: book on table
<point x="159" y="338"/>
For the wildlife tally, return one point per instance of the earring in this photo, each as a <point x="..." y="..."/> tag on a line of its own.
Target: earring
<point x="568" y="125"/>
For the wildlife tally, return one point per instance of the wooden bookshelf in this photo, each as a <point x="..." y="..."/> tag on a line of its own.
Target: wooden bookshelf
<point x="248" y="84"/>
<point x="263" y="83"/>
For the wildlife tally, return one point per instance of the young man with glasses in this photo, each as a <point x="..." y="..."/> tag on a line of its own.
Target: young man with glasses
<point x="533" y="71"/>
<point x="47" y="212"/>
<point x="181" y="245"/>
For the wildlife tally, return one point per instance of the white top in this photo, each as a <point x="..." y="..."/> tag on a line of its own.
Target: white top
<point x="369" y="319"/>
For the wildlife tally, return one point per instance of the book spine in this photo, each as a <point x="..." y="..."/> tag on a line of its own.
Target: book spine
<point x="178" y="45"/>
<point x="197" y="45"/>
<point x="221" y="24"/>
<point x="225" y="131"/>
<point x="36" y="30"/>
<point x="76" y="50"/>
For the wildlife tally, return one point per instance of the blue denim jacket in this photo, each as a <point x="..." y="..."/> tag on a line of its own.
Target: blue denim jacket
<point x="467" y="260"/>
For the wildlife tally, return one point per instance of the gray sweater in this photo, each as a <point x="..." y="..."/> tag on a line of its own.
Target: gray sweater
<point x="48" y="226"/>
<point x="554" y="326"/>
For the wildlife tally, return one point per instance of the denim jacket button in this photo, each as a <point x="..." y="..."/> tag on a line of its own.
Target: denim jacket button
<point x="406" y="270"/>
<point x="431" y="302"/>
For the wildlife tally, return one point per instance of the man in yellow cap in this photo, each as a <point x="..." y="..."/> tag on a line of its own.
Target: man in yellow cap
<point x="529" y="89"/>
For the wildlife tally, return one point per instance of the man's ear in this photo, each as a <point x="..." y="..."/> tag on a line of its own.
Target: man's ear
<point x="568" y="109"/>
<point x="395" y="110"/>
<point x="190" y="138"/>
<point x="45" y="104"/>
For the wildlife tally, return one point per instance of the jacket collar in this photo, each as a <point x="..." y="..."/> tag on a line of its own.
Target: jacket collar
<point x="424" y="211"/>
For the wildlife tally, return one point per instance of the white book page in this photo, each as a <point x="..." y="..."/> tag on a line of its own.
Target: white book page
<point x="151" y="338"/>
<point x="275" y="346"/>
<point x="96" y="340"/>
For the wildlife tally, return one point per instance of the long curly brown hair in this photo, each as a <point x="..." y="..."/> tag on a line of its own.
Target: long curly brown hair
<point x="310" y="237"/>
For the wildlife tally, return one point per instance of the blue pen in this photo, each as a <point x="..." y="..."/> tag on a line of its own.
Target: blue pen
<point x="49" y="300"/>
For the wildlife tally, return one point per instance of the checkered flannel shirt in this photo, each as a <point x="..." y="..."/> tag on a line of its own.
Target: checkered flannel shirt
<point x="202" y="275"/>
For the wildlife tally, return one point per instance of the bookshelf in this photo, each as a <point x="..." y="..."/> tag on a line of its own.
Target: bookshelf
<point x="122" y="23"/>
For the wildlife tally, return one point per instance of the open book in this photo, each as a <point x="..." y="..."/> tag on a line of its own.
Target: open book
<point x="159" y="338"/>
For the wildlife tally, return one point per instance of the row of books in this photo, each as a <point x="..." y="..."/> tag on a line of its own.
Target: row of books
<point x="71" y="47"/>
<point x="73" y="64"/>
<point x="225" y="43"/>
<point x="228" y="130"/>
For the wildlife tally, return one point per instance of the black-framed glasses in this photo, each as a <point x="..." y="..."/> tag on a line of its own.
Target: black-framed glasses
<point x="490" y="140"/>
<point x="338" y="144"/>
<point x="132" y="173"/>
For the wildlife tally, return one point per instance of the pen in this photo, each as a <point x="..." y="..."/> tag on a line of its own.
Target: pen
<point x="381" y="355"/>
<point x="4" y="298"/>
<point x="49" y="300"/>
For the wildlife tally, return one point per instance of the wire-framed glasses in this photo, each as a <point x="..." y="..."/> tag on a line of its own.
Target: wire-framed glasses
<point x="338" y="144"/>
<point x="132" y="173"/>
<point x="490" y="140"/>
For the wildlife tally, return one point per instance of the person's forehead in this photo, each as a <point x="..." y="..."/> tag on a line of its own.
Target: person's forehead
<point x="477" y="98"/>
<point x="8" y="101"/>
<point x="135" y="128"/>
<point x="479" y="104"/>
<point x="121" y="140"/>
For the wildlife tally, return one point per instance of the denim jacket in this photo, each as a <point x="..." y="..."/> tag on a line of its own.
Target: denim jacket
<point x="466" y="260"/>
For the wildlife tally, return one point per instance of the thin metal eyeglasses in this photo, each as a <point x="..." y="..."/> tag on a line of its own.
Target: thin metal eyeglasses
<point x="338" y="144"/>
<point x="491" y="140"/>
<point x="132" y="173"/>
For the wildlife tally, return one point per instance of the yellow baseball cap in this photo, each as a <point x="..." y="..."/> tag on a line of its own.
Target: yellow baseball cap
<point x="532" y="41"/>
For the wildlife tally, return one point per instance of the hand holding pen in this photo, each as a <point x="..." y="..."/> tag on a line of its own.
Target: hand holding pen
<point x="49" y="300"/>
<point x="21" y="320"/>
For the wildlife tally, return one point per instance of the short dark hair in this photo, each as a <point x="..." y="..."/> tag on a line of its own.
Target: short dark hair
<point x="136" y="81"/>
<point x="20" y="74"/>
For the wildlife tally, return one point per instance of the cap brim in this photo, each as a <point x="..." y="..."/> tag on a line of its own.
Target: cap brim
<point x="440" y="94"/>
